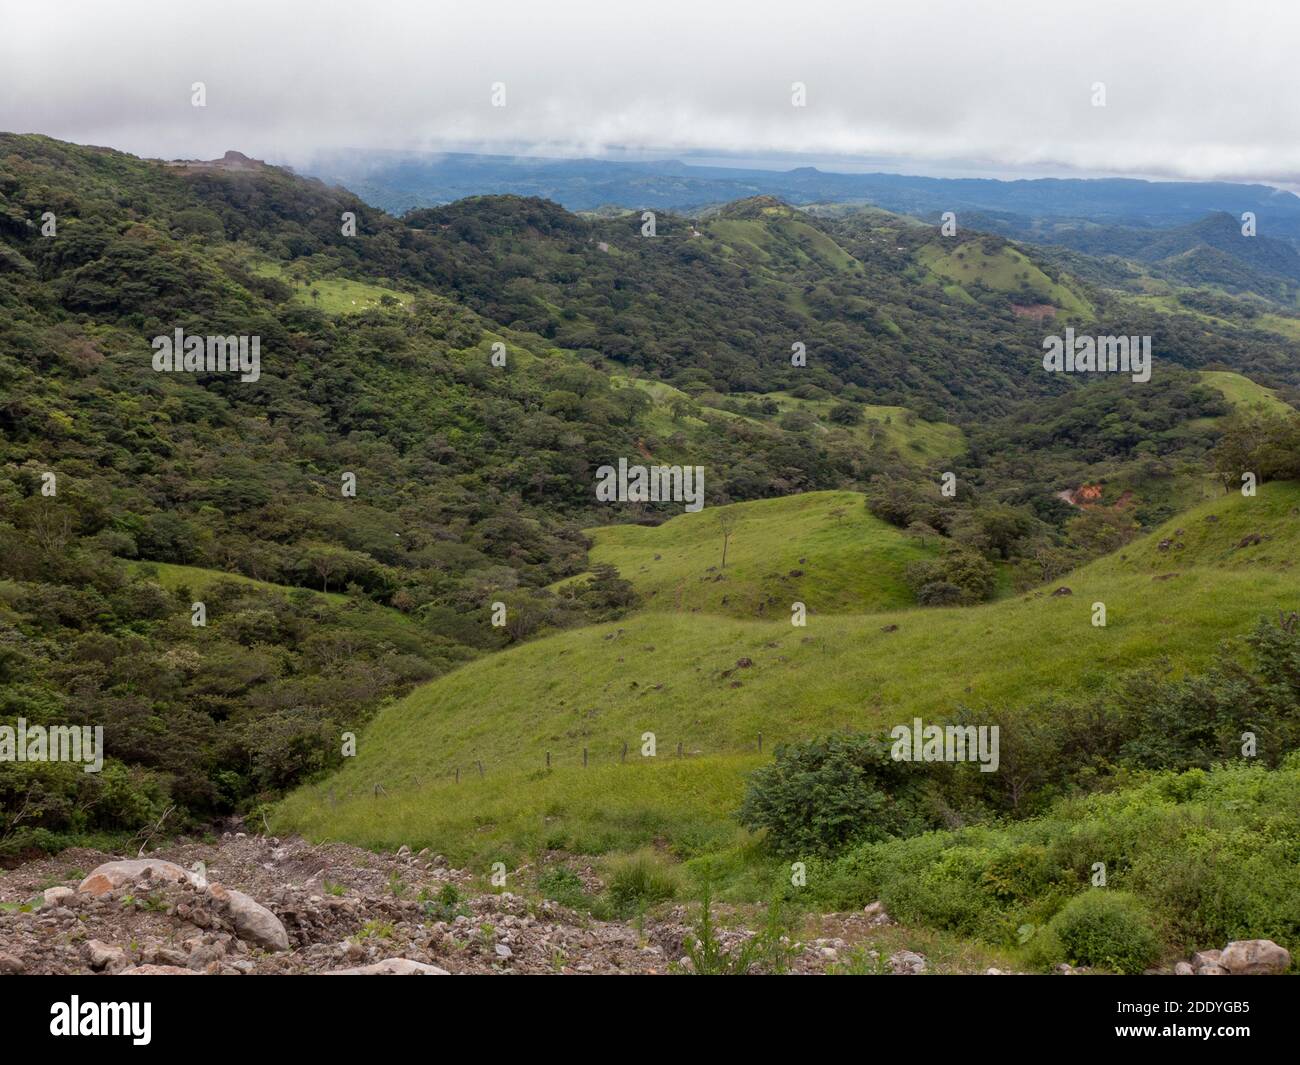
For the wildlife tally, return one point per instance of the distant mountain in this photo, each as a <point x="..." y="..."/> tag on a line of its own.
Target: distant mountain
<point x="398" y="182"/>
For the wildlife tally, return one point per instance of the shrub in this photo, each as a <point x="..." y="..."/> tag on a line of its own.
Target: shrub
<point x="561" y="884"/>
<point x="1107" y="928"/>
<point x="767" y="951"/>
<point x="820" y="796"/>
<point x="640" y="880"/>
<point x="970" y="574"/>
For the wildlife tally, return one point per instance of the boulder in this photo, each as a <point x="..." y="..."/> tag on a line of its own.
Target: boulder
<point x="112" y="875"/>
<point x="391" y="967"/>
<point x="10" y="966"/>
<point x="1206" y="963"/>
<point x="166" y="957"/>
<point x="56" y="896"/>
<point x="1184" y="969"/>
<point x="1255" y="957"/>
<point x="103" y="957"/>
<point x="907" y="963"/>
<point x="253" y="921"/>
<point x="876" y="915"/>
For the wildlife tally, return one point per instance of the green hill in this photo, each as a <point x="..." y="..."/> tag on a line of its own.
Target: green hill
<point x="1242" y="392"/>
<point x="1001" y="268"/>
<point x="712" y="684"/>
<point x="821" y="548"/>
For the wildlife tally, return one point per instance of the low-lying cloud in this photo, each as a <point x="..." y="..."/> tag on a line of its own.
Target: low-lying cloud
<point x="1193" y="90"/>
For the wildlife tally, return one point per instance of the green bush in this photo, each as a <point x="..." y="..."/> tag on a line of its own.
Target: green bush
<point x="639" y="880"/>
<point x="1208" y="854"/>
<point x="561" y="884"/>
<point x="820" y="796"/>
<point x="1105" y="928"/>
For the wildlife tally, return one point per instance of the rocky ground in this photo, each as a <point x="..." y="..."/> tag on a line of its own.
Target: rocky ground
<point x="251" y="904"/>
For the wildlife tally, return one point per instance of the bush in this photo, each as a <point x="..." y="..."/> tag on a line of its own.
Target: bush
<point x="964" y="574"/>
<point x="820" y="796"/>
<point x="640" y="880"/>
<point x="561" y="884"/>
<point x="1111" y="929"/>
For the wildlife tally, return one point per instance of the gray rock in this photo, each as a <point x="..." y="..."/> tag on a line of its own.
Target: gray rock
<point x="907" y="963"/>
<point x="56" y="896"/>
<point x="112" y="875"/>
<point x="1184" y="969"/>
<point x="166" y="956"/>
<point x="103" y="957"/>
<point x="253" y="921"/>
<point x="10" y="966"/>
<point x="1206" y="963"/>
<point x="391" y="967"/>
<point x="1255" y="957"/>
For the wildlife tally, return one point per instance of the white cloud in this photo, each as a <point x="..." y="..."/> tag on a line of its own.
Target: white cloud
<point x="1194" y="89"/>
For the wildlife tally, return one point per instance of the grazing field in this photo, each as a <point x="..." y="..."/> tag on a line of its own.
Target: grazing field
<point x="822" y="549"/>
<point x="712" y="684"/>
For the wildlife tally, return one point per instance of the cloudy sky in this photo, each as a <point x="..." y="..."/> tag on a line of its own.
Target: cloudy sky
<point x="1193" y="89"/>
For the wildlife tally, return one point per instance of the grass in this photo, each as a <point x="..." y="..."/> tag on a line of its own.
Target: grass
<point x="678" y="677"/>
<point x="198" y="579"/>
<point x="1244" y="393"/>
<point x="820" y="548"/>
<point x="373" y="618"/>
<point x="1004" y="270"/>
<point x="779" y="236"/>
<point x="334" y="295"/>
<point x="892" y="428"/>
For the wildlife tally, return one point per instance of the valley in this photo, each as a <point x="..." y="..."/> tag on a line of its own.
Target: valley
<point x="400" y="591"/>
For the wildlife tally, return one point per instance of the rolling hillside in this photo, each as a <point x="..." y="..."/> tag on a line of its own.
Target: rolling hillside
<point x="821" y="548"/>
<point x="712" y="684"/>
<point x="1245" y="394"/>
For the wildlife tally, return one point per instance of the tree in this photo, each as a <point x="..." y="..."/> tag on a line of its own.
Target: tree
<point x="845" y="414"/>
<point x="325" y="561"/>
<point x="727" y="524"/>
<point x="1001" y="527"/>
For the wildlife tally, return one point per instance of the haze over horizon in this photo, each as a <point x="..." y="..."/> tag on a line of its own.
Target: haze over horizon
<point x="941" y="89"/>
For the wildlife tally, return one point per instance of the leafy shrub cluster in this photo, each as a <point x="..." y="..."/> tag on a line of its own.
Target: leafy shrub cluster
<point x="1204" y="856"/>
<point x="818" y="796"/>
<point x="1196" y="833"/>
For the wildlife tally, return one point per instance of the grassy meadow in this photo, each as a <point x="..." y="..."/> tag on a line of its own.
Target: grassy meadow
<point x="711" y="684"/>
